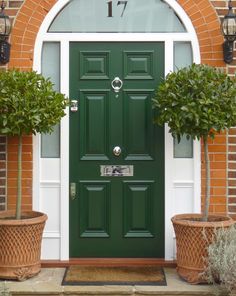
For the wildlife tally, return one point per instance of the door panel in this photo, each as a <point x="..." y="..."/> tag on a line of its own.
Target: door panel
<point x="115" y="213"/>
<point x="138" y="203"/>
<point x="94" y="65"/>
<point x="95" y="202"/>
<point x="94" y="118"/>
<point x="137" y="127"/>
<point x="138" y="65"/>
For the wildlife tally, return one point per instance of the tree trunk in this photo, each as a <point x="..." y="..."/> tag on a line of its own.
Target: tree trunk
<point x="207" y="180"/>
<point x="19" y="179"/>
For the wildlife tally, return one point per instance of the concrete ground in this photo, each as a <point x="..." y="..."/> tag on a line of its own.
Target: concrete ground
<point x="48" y="282"/>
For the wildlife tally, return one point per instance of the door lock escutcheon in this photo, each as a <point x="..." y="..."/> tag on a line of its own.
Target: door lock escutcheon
<point x="73" y="190"/>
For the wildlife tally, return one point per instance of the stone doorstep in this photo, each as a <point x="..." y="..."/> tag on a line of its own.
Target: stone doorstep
<point x="48" y="283"/>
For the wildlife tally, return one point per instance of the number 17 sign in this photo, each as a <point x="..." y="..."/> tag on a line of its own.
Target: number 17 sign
<point x="118" y="3"/>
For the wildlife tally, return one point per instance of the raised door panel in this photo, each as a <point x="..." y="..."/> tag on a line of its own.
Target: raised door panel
<point x="138" y="202"/>
<point x="138" y="127"/>
<point x="94" y="116"/>
<point x="95" y="202"/>
<point x="138" y="65"/>
<point x="94" y="65"/>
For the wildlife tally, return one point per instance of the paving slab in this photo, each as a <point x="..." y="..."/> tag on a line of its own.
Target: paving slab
<point x="48" y="282"/>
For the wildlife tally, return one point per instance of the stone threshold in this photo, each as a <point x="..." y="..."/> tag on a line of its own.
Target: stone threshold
<point x="48" y="282"/>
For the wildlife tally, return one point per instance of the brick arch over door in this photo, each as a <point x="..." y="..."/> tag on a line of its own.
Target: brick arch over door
<point x="32" y="13"/>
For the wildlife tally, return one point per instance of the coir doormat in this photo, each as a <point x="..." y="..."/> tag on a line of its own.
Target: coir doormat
<point x="114" y="275"/>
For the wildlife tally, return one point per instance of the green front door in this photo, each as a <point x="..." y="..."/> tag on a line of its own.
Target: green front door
<point x="116" y="153"/>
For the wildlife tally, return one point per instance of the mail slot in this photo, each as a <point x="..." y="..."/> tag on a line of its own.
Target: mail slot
<point x="117" y="170"/>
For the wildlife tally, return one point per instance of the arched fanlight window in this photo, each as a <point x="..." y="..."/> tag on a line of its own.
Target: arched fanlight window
<point x="128" y="16"/>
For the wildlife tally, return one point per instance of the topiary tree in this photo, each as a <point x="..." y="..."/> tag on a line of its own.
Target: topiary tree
<point x="28" y="105"/>
<point x="197" y="101"/>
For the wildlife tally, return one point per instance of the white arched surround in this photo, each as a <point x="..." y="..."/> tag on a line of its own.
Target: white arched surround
<point x="182" y="176"/>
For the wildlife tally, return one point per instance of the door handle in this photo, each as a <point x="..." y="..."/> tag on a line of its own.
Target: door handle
<point x="73" y="191"/>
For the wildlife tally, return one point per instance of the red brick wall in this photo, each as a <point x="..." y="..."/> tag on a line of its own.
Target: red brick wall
<point x="3" y="168"/>
<point x="218" y="156"/>
<point x="12" y="8"/>
<point x="206" y="23"/>
<point x="27" y="166"/>
<point x="222" y="8"/>
<point x="205" y="15"/>
<point x="232" y="173"/>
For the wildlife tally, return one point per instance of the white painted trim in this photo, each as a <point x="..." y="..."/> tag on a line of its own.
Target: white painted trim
<point x="169" y="55"/>
<point x="64" y="221"/>
<point x="36" y="170"/>
<point x="51" y="184"/>
<point x="169" y="192"/>
<point x="64" y="39"/>
<point x="117" y="37"/>
<point x="51" y="234"/>
<point x="197" y="177"/>
<point x="169" y="62"/>
<point x="183" y="184"/>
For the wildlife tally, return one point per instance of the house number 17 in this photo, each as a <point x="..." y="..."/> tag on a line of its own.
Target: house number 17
<point x="110" y="12"/>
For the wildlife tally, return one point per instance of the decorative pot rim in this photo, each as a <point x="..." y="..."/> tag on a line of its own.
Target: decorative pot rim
<point x="29" y="217"/>
<point x="215" y="220"/>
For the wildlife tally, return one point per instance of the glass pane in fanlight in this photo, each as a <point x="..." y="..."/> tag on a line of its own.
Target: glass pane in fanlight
<point x="117" y="16"/>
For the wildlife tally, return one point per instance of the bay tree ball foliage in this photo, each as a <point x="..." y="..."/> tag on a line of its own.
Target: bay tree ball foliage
<point x="197" y="101"/>
<point x="28" y="103"/>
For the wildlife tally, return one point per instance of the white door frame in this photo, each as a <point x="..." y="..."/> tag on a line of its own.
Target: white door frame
<point x="171" y="182"/>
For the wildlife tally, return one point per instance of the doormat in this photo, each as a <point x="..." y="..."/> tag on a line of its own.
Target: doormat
<point x="114" y="275"/>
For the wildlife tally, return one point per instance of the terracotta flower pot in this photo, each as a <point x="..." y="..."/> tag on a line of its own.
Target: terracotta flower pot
<point x="20" y="244"/>
<point x="192" y="239"/>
